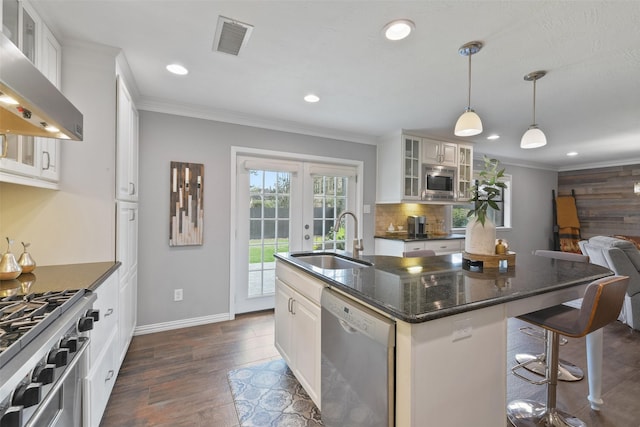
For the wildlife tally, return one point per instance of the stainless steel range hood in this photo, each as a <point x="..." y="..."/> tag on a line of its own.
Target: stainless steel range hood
<point x="29" y="103"/>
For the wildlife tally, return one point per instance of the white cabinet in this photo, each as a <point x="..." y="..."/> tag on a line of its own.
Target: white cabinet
<point x="127" y="254"/>
<point x="103" y="364"/>
<point x="392" y="247"/>
<point x="411" y="167"/>
<point x="29" y="160"/>
<point x="399" y="170"/>
<point x="127" y="145"/>
<point x="439" y="153"/>
<point x="297" y="326"/>
<point x="465" y="171"/>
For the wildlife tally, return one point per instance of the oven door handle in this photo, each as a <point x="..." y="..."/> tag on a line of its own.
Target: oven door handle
<point x="54" y="390"/>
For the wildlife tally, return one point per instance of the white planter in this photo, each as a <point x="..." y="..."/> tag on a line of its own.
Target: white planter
<point x="479" y="239"/>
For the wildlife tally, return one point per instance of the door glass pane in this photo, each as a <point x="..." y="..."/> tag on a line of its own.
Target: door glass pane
<point x="268" y="227"/>
<point x="28" y="36"/>
<point x="329" y="200"/>
<point x="10" y="20"/>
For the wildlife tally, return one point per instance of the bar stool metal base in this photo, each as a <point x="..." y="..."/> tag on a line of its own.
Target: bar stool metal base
<point x="529" y="413"/>
<point x="537" y="364"/>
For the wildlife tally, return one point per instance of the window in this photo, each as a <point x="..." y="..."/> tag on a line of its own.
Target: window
<point x="501" y="218"/>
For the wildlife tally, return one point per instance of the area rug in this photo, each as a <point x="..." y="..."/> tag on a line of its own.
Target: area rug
<point x="269" y="395"/>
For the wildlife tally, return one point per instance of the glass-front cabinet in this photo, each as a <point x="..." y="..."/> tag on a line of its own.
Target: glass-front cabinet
<point x="23" y="158"/>
<point x="411" y="167"/>
<point x="465" y="171"/>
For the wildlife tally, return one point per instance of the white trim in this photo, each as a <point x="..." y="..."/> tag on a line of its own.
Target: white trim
<point x="257" y="152"/>
<point x="201" y="112"/>
<point x="184" y="323"/>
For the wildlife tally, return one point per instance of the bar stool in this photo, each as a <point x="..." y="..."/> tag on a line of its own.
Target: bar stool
<point x="537" y="363"/>
<point x="600" y="306"/>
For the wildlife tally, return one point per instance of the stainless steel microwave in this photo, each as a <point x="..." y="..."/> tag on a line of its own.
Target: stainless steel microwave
<point x="438" y="182"/>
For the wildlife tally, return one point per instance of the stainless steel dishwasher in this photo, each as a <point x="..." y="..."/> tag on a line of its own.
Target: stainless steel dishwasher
<point x="358" y="364"/>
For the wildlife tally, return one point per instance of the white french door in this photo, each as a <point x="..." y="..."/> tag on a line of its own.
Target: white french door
<point x="284" y="205"/>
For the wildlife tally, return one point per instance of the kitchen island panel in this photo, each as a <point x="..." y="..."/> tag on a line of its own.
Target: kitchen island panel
<point x="452" y="362"/>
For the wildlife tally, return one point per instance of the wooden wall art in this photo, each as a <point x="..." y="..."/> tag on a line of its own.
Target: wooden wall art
<point x="186" y="204"/>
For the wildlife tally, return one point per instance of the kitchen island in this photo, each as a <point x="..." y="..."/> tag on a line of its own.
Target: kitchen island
<point x="451" y="325"/>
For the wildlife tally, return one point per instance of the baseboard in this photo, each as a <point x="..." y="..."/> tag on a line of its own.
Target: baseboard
<point x="184" y="323"/>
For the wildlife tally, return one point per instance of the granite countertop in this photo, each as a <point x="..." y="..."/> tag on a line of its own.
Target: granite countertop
<point x="60" y="277"/>
<point x="405" y="237"/>
<point x="420" y="289"/>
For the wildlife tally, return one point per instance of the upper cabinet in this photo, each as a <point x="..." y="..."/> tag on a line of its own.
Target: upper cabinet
<point x="439" y="153"/>
<point x="465" y="171"/>
<point x="127" y="145"/>
<point x="411" y="168"/>
<point x="31" y="160"/>
<point x="400" y="160"/>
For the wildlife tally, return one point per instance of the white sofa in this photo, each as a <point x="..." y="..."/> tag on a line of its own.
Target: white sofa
<point x="623" y="258"/>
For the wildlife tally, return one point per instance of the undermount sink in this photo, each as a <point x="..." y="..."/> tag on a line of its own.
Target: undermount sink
<point x="330" y="261"/>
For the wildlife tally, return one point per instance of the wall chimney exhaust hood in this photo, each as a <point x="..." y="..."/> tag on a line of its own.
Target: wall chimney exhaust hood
<point x="29" y="103"/>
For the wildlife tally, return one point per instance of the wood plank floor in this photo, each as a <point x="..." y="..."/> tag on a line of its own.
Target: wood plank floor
<point x="179" y="378"/>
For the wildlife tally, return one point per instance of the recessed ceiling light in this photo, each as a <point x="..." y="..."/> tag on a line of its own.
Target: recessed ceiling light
<point x="493" y="136"/>
<point x="312" y="98"/>
<point x="572" y="153"/>
<point x="398" y="29"/>
<point x="177" y="69"/>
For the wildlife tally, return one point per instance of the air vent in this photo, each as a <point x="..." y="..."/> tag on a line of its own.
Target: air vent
<point x="231" y="36"/>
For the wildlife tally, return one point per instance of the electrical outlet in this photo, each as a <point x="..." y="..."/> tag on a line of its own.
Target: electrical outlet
<point x="177" y="294"/>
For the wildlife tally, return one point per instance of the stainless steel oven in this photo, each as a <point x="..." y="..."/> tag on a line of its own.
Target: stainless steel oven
<point x="438" y="182"/>
<point x="43" y="339"/>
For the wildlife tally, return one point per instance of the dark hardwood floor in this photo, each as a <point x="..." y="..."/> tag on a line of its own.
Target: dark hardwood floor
<point x="179" y="378"/>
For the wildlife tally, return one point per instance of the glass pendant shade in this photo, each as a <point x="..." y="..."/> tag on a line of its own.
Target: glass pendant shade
<point x="468" y="124"/>
<point x="533" y="138"/>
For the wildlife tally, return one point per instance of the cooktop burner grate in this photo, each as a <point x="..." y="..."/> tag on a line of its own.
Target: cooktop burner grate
<point x="23" y="317"/>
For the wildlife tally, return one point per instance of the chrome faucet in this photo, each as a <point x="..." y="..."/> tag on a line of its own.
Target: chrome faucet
<point x="357" y="243"/>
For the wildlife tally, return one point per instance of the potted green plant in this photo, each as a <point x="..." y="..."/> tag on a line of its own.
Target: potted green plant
<point x="481" y="231"/>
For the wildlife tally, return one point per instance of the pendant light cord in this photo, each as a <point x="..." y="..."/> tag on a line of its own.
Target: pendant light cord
<point x="534" y="101"/>
<point x="469" y="95"/>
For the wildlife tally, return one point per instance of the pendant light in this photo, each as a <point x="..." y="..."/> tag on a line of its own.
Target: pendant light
<point x="533" y="137"/>
<point x="469" y="123"/>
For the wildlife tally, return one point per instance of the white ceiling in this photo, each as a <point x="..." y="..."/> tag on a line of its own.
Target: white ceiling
<point x="588" y="102"/>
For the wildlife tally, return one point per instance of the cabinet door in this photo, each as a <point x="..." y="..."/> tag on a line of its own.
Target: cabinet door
<point x="431" y="151"/>
<point x="465" y="171"/>
<point x="306" y="339"/>
<point x="127" y="319"/>
<point x="19" y="155"/>
<point x="283" y="321"/>
<point x="449" y="154"/>
<point x="411" y="167"/>
<point x="439" y="153"/>
<point x="99" y="384"/>
<point x="127" y="146"/>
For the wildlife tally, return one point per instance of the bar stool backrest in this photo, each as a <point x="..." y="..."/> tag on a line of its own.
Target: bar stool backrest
<point x="601" y="304"/>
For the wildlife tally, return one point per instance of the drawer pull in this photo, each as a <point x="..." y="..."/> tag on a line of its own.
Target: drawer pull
<point x="109" y="312"/>
<point x="109" y="375"/>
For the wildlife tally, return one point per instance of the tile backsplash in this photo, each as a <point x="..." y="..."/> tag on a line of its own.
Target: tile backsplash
<point x="397" y="213"/>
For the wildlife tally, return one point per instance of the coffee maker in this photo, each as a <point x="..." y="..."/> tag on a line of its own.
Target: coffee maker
<point x="417" y="226"/>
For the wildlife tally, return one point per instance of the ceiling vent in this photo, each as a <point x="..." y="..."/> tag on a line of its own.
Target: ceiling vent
<point x="231" y="36"/>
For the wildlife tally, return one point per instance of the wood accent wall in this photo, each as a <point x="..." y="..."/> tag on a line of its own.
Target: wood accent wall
<point x="605" y="199"/>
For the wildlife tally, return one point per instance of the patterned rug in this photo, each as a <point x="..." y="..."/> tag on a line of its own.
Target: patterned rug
<point x="269" y="395"/>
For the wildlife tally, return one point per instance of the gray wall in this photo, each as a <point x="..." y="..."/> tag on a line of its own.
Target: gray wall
<point x="532" y="214"/>
<point x="203" y="271"/>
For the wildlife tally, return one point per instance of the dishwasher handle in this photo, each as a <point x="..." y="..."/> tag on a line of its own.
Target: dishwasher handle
<point x="347" y="328"/>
